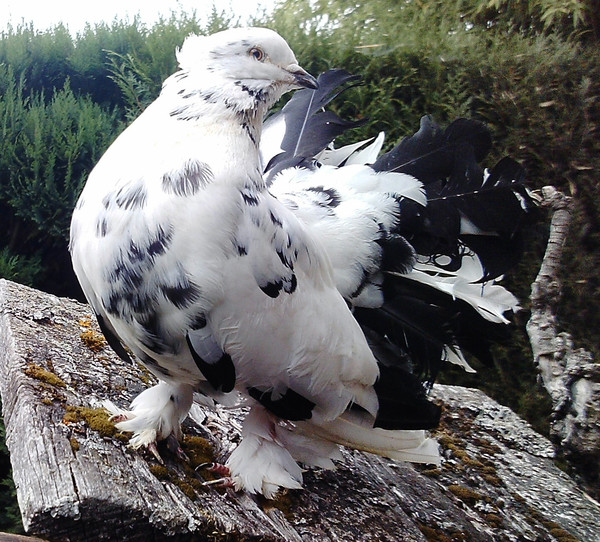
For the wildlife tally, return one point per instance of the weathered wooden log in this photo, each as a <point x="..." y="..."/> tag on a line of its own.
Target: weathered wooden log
<point x="77" y="480"/>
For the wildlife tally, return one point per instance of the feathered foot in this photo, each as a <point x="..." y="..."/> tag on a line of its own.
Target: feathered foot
<point x="267" y="458"/>
<point x="154" y="415"/>
<point x="260" y="463"/>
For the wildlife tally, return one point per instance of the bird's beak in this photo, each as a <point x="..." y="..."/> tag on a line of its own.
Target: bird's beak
<point x="302" y="78"/>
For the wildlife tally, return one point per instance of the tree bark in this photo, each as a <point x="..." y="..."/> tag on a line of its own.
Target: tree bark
<point x="570" y="375"/>
<point x="8" y="537"/>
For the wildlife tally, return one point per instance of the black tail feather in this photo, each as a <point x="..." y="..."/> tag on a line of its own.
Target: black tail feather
<point x="419" y="321"/>
<point x="496" y="254"/>
<point x="462" y="202"/>
<point x="308" y="130"/>
<point x="403" y="403"/>
<point x="431" y="153"/>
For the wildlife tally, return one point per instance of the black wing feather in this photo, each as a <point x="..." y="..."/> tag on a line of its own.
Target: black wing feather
<point x="431" y="153"/>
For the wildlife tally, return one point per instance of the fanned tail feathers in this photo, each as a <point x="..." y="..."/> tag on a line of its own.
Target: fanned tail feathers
<point x="418" y="238"/>
<point x="468" y="235"/>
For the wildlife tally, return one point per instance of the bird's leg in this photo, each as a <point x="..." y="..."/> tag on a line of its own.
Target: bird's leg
<point x="225" y="479"/>
<point x="174" y="447"/>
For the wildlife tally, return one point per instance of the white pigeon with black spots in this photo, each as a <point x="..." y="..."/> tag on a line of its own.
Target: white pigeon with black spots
<point x="232" y="277"/>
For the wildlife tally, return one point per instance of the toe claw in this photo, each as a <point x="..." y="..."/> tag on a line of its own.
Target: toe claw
<point x="220" y="482"/>
<point x="182" y="455"/>
<point x="154" y="450"/>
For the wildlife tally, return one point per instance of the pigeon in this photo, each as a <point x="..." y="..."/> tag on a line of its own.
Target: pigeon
<point x="244" y="259"/>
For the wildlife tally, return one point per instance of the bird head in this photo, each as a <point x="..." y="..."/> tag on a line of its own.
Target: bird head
<point x="246" y="65"/>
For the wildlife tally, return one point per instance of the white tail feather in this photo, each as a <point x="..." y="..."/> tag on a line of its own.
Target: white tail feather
<point x="334" y="157"/>
<point x="489" y="299"/>
<point x="369" y="154"/>
<point x="454" y="355"/>
<point x="348" y="430"/>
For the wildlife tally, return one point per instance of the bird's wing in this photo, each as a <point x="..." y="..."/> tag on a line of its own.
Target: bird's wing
<point x="135" y="250"/>
<point x="284" y="322"/>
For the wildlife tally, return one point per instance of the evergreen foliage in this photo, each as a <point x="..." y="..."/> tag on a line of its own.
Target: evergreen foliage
<point x="528" y="68"/>
<point x="49" y="146"/>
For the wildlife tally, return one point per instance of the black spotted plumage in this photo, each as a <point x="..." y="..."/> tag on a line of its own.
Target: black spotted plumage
<point x="328" y="197"/>
<point x="198" y="321"/>
<point x="250" y="197"/>
<point x="102" y="226"/>
<point x="160" y="241"/>
<point x="186" y="181"/>
<point x="183" y="294"/>
<point x="258" y="95"/>
<point x="131" y="197"/>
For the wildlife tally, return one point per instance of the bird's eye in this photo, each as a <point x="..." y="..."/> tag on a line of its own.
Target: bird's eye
<point x="257" y="53"/>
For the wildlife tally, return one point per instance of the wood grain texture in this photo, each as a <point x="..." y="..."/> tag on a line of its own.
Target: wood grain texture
<point x="76" y="480"/>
